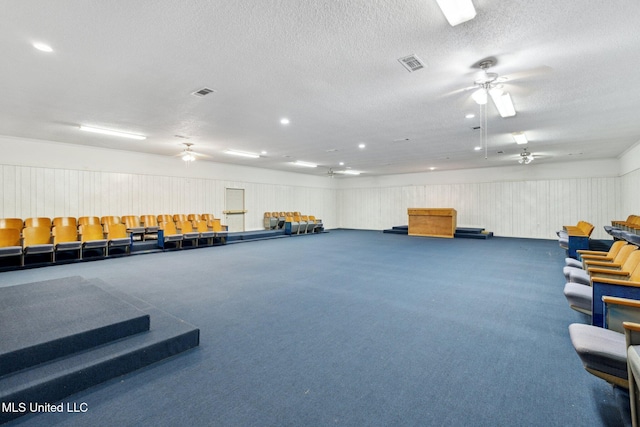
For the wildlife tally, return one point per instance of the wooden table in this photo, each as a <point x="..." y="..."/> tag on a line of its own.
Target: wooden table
<point x="432" y="222"/>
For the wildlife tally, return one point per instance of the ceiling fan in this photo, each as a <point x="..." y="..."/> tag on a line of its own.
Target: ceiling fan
<point x="489" y="84"/>
<point x="525" y="157"/>
<point x="187" y="154"/>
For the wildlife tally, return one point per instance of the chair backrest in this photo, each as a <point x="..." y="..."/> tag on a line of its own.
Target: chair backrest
<point x="169" y="227"/>
<point x="193" y="217"/>
<point x="207" y="217"/>
<point x="185" y="227"/>
<point x="586" y="227"/>
<point x="201" y="226"/>
<point x="91" y="232"/>
<point x="16" y="223"/>
<point x="86" y="220"/>
<point x="131" y="221"/>
<point x="149" y="220"/>
<point x="624" y="253"/>
<point x="110" y="219"/>
<point x="38" y="222"/>
<point x="615" y="248"/>
<point x="65" y="220"/>
<point x="164" y="218"/>
<point x="36" y="236"/>
<point x="117" y="231"/>
<point x="179" y="218"/>
<point x="9" y="237"/>
<point x="631" y="262"/>
<point x="64" y="233"/>
<point x="216" y="225"/>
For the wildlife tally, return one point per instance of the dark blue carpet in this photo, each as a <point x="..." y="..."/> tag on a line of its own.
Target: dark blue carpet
<point x="352" y="328"/>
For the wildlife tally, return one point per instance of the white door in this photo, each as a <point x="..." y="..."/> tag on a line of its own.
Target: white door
<point x="234" y="212"/>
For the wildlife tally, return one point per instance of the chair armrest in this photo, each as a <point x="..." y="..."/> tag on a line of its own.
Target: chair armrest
<point x="632" y="333"/>
<point x="605" y="272"/>
<point x="594" y="257"/>
<point x="602" y="264"/>
<point x="619" y="310"/>
<point x="626" y="302"/>
<point x="588" y="252"/>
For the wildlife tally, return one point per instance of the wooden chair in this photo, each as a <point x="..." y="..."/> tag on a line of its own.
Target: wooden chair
<point x="188" y="233"/>
<point x="193" y="218"/>
<point x="151" y="226"/>
<point x="92" y="237"/>
<point x="207" y="217"/>
<point x="38" y="222"/>
<point x="37" y="240"/>
<point x="16" y="223"/>
<point x="204" y="232"/>
<point x="118" y="237"/>
<point x="65" y="238"/>
<point x="169" y="234"/>
<point x="133" y="224"/>
<point x="10" y="244"/>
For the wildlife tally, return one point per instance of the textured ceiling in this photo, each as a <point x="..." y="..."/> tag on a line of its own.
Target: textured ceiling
<point x="332" y="68"/>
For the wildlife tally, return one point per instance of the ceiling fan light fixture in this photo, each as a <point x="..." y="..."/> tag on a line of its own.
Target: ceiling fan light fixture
<point x="520" y="138"/>
<point x="480" y="96"/>
<point x="188" y="157"/>
<point x="503" y="103"/>
<point x="457" y="11"/>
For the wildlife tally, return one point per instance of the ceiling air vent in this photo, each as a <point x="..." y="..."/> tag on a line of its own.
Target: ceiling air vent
<point x="203" y="92"/>
<point x="411" y="63"/>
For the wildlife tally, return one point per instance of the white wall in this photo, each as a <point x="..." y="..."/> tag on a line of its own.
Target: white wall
<point x="42" y="178"/>
<point x="520" y="201"/>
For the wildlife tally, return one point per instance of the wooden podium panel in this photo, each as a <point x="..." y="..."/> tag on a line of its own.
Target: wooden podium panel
<point x="432" y="222"/>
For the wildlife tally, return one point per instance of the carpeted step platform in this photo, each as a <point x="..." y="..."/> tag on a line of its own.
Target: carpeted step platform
<point x="45" y="320"/>
<point x="398" y="229"/>
<point x="62" y="376"/>
<point x="472" y="233"/>
<point x="254" y="235"/>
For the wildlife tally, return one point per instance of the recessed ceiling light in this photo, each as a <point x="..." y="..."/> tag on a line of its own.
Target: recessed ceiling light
<point x="42" y="47"/>
<point x="341" y="163"/>
<point x="242" y="154"/>
<point x="284" y="121"/>
<point x="361" y="145"/>
<point x="470" y="116"/>
<point x="263" y="152"/>
<point x="112" y="132"/>
<point x="432" y="168"/>
<point x="477" y="148"/>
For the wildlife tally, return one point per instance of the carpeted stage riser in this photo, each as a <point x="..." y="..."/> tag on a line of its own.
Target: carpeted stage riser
<point x="58" y="388"/>
<point x="69" y="334"/>
<point x="57" y="318"/>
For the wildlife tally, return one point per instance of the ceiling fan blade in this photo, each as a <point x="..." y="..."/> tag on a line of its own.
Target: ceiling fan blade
<point x="525" y="74"/>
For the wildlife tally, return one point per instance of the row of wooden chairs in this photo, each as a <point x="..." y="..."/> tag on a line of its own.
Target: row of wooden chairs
<point x="299" y="224"/>
<point x="38" y="240"/>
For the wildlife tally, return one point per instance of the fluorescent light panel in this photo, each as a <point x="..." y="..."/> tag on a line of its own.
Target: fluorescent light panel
<point x="112" y="132"/>
<point x="520" y="138"/>
<point x="503" y="103"/>
<point x="457" y="11"/>
<point x="305" y="164"/>
<point x="242" y="154"/>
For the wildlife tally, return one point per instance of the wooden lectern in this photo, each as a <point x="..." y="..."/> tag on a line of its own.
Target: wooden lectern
<point x="432" y="222"/>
